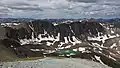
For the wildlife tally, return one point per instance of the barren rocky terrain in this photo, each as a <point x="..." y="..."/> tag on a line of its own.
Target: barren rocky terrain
<point x="53" y="63"/>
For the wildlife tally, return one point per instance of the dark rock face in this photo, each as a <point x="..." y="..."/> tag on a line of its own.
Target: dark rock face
<point x="88" y="40"/>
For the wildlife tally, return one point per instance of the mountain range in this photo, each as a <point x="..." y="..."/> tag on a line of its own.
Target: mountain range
<point x="87" y="39"/>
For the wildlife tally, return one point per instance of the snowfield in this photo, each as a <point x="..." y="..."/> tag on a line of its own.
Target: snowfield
<point x="53" y="63"/>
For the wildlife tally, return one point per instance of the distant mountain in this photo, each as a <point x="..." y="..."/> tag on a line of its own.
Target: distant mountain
<point x="22" y="20"/>
<point x="15" y="20"/>
<point x="88" y="39"/>
<point x="114" y="20"/>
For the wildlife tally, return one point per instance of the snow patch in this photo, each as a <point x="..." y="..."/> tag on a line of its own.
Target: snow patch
<point x="57" y="37"/>
<point x="10" y="24"/>
<point x="112" y="31"/>
<point x="113" y="45"/>
<point x="49" y="51"/>
<point x="66" y="41"/>
<point x="68" y="46"/>
<point x="81" y="49"/>
<point x="112" y="58"/>
<point x="49" y="44"/>
<point x="74" y="49"/>
<point x="35" y="49"/>
<point x="102" y="38"/>
<point x="75" y="40"/>
<point x="55" y="24"/>
<point x="98" y="58"/>
<point x="60" y="45"/>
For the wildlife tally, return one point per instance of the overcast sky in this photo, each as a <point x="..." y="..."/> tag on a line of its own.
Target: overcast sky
<point x="60" y="8"/>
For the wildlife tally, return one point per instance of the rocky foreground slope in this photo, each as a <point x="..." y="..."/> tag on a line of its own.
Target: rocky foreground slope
<point x="92" y="40"/>
<point x="53" y="63"/>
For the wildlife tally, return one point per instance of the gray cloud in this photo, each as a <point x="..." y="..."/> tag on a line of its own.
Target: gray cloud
<point x="85" y="1"/>
<point x="60" y="8"/>
<point x="26" y="8"/>
<point x="4" y="10"/>
<point x="14" y="4"/>
<point x="18" y="4"/>
<point x="3" y="14"/>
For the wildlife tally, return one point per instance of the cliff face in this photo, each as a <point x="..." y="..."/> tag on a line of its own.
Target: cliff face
<point x="87" y="39"/>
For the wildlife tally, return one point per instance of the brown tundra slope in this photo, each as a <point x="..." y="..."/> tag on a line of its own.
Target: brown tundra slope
<point x="6" y="54"/>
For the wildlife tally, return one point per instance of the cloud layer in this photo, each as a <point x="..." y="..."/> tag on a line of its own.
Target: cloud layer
<point x="60" y="8"/>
